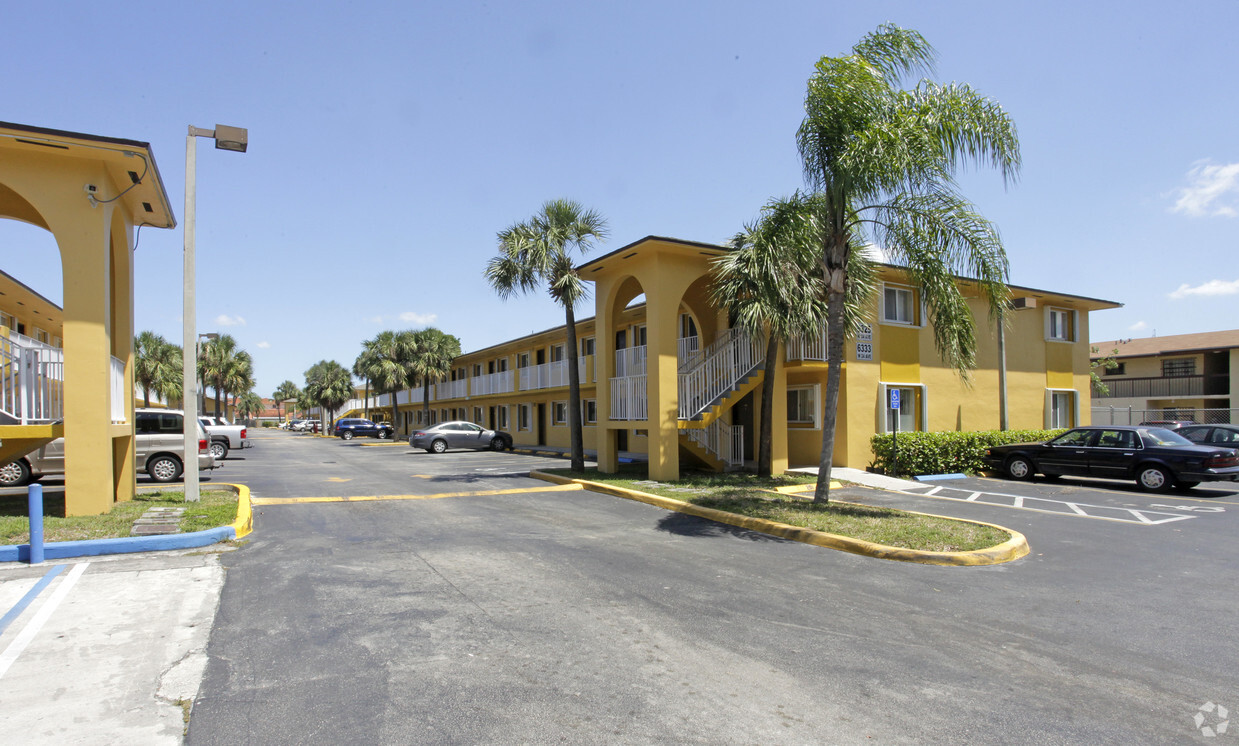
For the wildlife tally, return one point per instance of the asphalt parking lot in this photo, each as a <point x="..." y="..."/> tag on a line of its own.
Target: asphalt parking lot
<point x="472" y="604"/>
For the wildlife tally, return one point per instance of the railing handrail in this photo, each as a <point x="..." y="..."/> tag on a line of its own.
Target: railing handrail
<point x="737" y="356"/>
<point x="1156" y="386"/>
<point x="32" y="381"/>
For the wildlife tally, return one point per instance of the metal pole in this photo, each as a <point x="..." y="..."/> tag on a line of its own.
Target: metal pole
<point x="34" y="498"/>
<point x="190" y="354"/>
<point x="1003" y="424"/>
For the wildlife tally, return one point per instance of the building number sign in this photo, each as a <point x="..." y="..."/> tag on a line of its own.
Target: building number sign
<point x="864" y="350"/>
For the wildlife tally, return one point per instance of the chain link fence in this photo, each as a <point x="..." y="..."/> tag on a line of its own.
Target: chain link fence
<point x="1133" y="416"/>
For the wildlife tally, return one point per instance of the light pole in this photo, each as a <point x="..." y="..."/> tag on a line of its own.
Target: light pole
<point x="235" y="139"/>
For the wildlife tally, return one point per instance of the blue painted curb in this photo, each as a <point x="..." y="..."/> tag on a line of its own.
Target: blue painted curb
<point x="125" y="545"/>
<point x="936" y="477"/>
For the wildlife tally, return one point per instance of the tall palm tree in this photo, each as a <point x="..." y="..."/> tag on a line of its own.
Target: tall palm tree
<point x="285" y="391"/>
<point x="539" y="252"/>
<point x="431" y="352"/>
<point x="225" y="367"/>
<point x="772" y="283"/>
<point x="883" y="161"/>
<point x="249" y="405"/>
<point x="157" y="367"/>
<point x="328" y="385"/>
<point x="389" y="359"/>
<point x="361" y="368"/>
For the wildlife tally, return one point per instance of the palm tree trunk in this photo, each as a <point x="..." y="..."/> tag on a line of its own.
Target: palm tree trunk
<point x="765" y="447"/>
<point x="574" y="394"/>
<point x="834" y="379"/>
<point x="146" y="396"/>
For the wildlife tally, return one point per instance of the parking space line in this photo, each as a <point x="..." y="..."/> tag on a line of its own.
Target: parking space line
<point x="371" y="498"/>
<point x="1138" y="516"/>
<point x="31" y="594"/>
<point x="40" y="618"/>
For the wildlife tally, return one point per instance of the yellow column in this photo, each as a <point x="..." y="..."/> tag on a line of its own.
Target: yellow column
<point x="604" y="354"/>
<point x="662" y="306"/>
<point x="779" y="419"/>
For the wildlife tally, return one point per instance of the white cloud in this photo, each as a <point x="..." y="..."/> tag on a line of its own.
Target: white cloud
<point x="1211" y="191"/>
<point x="1139" y="326"/>
<point x="225" y="320"/>
<point x="1210" y="288"/>
<point x="422" y="319"/>
<point x="263" y="345"/>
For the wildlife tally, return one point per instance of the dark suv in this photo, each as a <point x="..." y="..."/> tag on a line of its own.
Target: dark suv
<point x="348" y="427"/>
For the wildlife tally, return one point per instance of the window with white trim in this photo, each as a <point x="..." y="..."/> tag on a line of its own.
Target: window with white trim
<point x="559" y="413"/>
<point x="502" y="413"/>
<point x="477" y="415"/>
<point x="802" y="405"/>
<point x="522" y="360"/>
<point x="1062" y="409"/>
<point x="522" y="417"/>
<point x="589" y="411"/>
<point x="1060" y="324"/>
<point x="587" y="346"/>
<point x="913" y="412"/>
<point x="898" y="305"/>
<point x="557" y="353"/>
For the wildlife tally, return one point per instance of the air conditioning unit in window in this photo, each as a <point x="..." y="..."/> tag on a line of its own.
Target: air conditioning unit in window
<point x="1018" y="304"/>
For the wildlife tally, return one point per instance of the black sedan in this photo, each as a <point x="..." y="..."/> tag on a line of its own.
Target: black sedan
<point x="1155" y="457"/>
<point x="1224" y="436"/>
<point x="459" y="434"/>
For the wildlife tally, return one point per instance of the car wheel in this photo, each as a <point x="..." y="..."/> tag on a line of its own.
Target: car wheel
<point x="14" y="474"/>
<point x="219" y="450"/>
<point x="1019" y="467"/>
<point x="347" y="435"/>
<point x="439" y="446"/>
<point x="164" y="468"/>
<point x="497" y="444"/>
<point x="382" y="435"/>
<point x="1154" y="478"/>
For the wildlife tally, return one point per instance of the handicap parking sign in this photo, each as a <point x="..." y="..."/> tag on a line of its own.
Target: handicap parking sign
<point x="894" y="398"/>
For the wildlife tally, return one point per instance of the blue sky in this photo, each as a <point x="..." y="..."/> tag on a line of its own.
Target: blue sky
<point x="390" y="142"/>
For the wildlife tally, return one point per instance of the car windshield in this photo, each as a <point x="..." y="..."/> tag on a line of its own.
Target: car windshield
<point x="1160" y="436"/>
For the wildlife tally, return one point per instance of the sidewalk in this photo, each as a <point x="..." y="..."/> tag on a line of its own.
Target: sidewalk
<point x="109" y="649"/>
<point x="860" y="476"/>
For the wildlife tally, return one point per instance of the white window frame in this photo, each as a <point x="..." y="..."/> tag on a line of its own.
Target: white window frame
<point x="585" y="406"/>
<point x="815" y="390"/>
<point x="1052" y="312"/>
<point x="884" y="415"/>
<point x="524" y="419"/>
<point x="587" y="342"/>
<point x="501" y="414"/>
<point x="557" y="353"/>
<point x="913" y="312"/>
<point x="1049" y="408"/>
<point x="558" y="407"/>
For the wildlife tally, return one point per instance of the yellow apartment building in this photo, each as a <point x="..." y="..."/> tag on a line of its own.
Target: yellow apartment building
<point x="663" y="372"/>
<point x="1176" y="377"/>
<point x="69" y="373"/>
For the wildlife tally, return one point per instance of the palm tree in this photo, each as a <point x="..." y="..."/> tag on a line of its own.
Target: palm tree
<point x="883" y="159"/>
<point x="328" y="385"/>
<point x="388" y="360"/>
<point x="361" y="368"/>
<point x="249" y="405"/>
<point x="772" y="283"/>
<point x="539" y="251"/>
<point x="157" y="367"/>
<point x="431" y="353"/>
<point x="285" y="391"/>
<point x="225" y="367"/>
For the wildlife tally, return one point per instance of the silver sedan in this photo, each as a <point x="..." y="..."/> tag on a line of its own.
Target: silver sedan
<point x="459" y="434"/>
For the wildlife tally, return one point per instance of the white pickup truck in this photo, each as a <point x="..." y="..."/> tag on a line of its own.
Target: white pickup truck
<point x="224" y="435"/>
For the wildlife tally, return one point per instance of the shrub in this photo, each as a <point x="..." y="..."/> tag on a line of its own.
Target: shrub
<point x="945" y="452"/>
<point x="268" y="423"/>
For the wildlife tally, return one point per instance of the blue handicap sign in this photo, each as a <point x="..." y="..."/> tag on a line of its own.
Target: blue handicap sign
<point x="894" y="398"/>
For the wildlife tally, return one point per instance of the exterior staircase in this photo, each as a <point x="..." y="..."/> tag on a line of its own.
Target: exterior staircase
<point x="31" y="395"/>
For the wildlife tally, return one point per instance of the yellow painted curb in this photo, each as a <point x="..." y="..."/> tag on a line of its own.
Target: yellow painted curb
<point x="244" y="523"/>
<point x="373" y="498"/>
<point x="791" y="489"/>
<point x="1011" y="549"/>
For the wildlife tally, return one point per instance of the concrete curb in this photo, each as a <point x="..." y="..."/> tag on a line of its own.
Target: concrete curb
<point x="129" y="544"/>
<point x="1011" y="549"/>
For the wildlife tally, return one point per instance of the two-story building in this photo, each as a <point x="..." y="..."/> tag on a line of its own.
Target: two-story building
<point x="664" y="373"/>
<point x="1177" y="377"/>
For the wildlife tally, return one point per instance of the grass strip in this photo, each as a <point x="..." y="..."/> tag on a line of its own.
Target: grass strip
<point x="748" y="495"/>
<point x="216" y="508"/>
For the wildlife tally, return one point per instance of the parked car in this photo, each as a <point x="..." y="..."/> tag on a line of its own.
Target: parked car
<point x="1155" y="457"/>
<point x="1168" y="424"/>
<point x="301" y="426"/>
<point x="1225" y="436"/>
<point x="349" y="427"/>
<point x="224" y="435"/>
<point x="459" y="434"/>
<point x="158" y="444"/>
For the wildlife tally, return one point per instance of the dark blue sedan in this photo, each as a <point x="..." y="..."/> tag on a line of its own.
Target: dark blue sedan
<point x="350" y="427"/>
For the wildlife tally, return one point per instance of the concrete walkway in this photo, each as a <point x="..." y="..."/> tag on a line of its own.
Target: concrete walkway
<point x="860" y="476"/>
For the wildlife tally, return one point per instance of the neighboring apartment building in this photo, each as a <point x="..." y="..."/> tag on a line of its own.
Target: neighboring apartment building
<point x="670" y="378"/>
<point x="1177" y="377"/>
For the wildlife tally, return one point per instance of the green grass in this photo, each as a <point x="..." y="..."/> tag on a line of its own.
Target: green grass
<point x="216" y="508"/>
<point x="747" y="495"/>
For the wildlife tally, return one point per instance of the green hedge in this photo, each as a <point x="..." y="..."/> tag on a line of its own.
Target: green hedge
<point x="946" y="452"/>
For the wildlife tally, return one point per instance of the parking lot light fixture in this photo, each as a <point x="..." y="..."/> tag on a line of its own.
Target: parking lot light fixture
<point x="235" y="139"/>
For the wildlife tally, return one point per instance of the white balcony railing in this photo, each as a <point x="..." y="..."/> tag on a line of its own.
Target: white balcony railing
<point x="489" y="384"/>
<point x="630" y="362"/>
<point x="628" y="398"/>
<point x="688" y="352"/>
<point x="545" y="376"/>
<point x="807" y="348"/>
<point x="451" y="389"/>
<point x="32" y="378"/>
<point x="118" y="391"/>
<point x="726" y="362"/>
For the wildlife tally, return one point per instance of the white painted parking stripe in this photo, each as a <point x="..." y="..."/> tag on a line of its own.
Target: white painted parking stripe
<point x="36" y="623"/>
<point x="1059" y="507"/>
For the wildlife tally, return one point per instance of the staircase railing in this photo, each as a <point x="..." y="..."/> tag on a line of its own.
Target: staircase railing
<point x="726" y="362"/>
<point x="724" y="442"/>
<point x="31" y="382"/>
